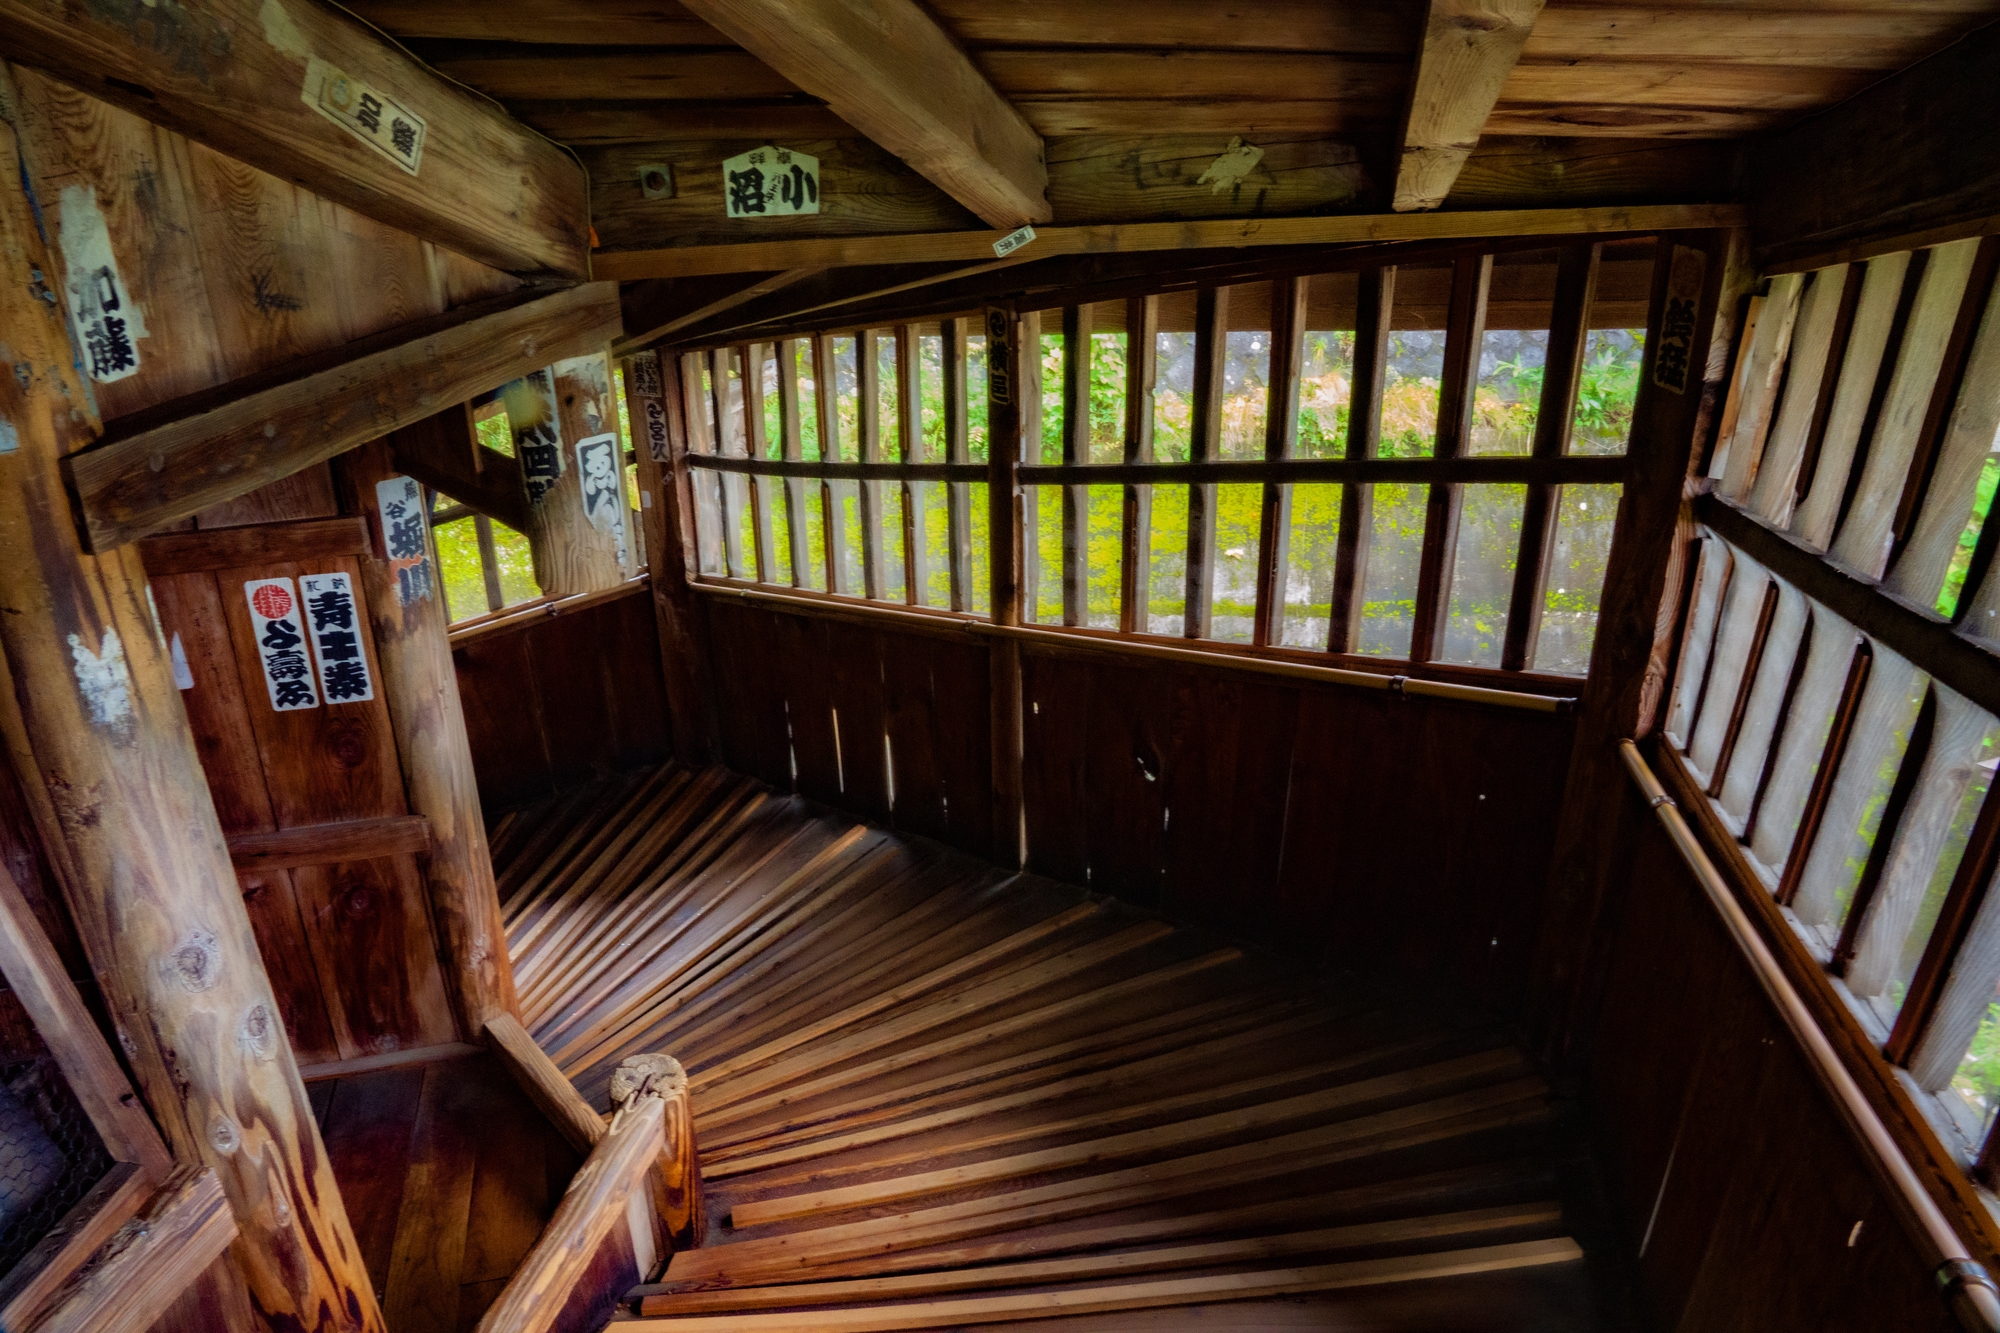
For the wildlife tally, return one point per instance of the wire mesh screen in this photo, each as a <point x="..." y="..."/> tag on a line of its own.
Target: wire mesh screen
<point x="50" y="1153"/>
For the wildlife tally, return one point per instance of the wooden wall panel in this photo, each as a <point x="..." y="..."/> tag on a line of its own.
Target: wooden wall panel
<point x="1732" y="1174"/>
<point x="1314" y="816"/>
<point x="563" y="699"/>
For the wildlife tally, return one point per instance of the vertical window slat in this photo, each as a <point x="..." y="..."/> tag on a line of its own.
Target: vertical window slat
<point x="1562" y="373"/>
<point x="756" y="446"/>
<point x="792" y="450"/>
<point x="910" y="449"/>
<point x="1076" y="449"/>
<point x="1375" y="296"/>
<point x="868" y="418"/>
<point x="1142" y="372"/>
<point x="1813" y="337"/>
<point x="1464" y="329"/>
<point x="1211" y="337"/>
<point x="955" y="364"/>
<point x="1281" y="433"/>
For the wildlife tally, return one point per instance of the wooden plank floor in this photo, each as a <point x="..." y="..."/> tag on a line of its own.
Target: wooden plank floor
<point x="931" y="1094"/>
<point x="449" y="1174"/>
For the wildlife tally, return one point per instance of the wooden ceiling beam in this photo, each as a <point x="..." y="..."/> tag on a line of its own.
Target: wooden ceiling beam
<point x="258" y="80"/>
<point x="1470" y="48"/>
<point x="158" y="467"/>
<point x="1238" y="233"/>
<point x="886" y="68"/>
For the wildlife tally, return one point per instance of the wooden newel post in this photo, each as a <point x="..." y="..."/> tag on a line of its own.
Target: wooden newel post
<point x="678" y="1190"/>
<point x="406" y="610"/>
<point x="650" y="1093"/>
<point x="153" y="892"/>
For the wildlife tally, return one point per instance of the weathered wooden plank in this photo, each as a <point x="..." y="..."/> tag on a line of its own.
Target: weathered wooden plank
<point x="318" y="844"/>
<point x="443" y="453"/>
<point x="261" y="84"/>
<point x="170" y="463"/>
<point x="1126" y="238"/>
<point x="890" y="71"/>
<point x="1469" y="50"/>
<point x="223" y="548"/>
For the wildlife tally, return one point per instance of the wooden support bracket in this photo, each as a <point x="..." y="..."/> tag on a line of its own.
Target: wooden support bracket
<point x="148" y="1262"/>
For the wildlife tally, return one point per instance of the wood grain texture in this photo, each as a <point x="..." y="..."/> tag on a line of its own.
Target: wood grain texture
<point x="434" y="754"/>
<point x="230" y="76"/>
<point x="444" y="454"/>
<point x="1469" y="51"/>
<point x="77" y="1236"/>
<point x="199" y="452"/>
<point x="182" y="980"/>
<point x="292" y="543"/>
<point x="149" y="1261"/>
<point x="892" y="73"/>
<point x="350" y="840"/>
<point x="766" y="256"/>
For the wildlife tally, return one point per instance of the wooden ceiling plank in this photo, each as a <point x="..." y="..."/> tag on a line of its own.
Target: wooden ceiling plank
<point x="251" y="79"/>
<point x="661" y="74"/>
<point x="588" y="23"/>
<point x="1359" y="27"/>
<point x="1589" y="120"/>
<point x="158" y="468"/>
<point x="839" y="251"/>
<point x="631" y="120"/>
<point x="1682" y="83"/>
<point x="1878" y="40"/>
<point x="886" y="68"/>
<point x="1470" y="48"/>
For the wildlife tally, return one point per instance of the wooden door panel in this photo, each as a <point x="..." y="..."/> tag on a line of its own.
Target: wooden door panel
<point x="272" y="902"/>
<point x="191" y="609"/>
<point x="371" y="939"/>
<point x="324" y="764"/>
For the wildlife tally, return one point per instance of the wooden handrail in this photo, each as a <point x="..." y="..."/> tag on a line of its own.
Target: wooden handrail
<point x="594" y="1203"/>
<point x="1967" y="1287"/>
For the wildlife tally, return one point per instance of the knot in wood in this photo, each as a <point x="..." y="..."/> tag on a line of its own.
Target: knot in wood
<point x="196" y="962"/>
<point x="258" y="1035"/>
<point x="223" y="1135"/>
<point x="639" y="1076"/>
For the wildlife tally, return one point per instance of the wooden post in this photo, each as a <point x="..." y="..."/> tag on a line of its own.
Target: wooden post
<point x="1681" y="381"/>
<point x="659" y="421"/>
<point x="826" y="389"/>
<point x="1028" y="407"/>
<point x="868" y="420"/>
<point x="570" y="555"/>
<point x="1006" y="341"/>
<point x="910" y="449"/>
<point x="593" y="484"/>
<point x="153" y="893"/>
<point x="792" y="450"/>
<point x="420" y="684"/>
<point x="755" y="445"/>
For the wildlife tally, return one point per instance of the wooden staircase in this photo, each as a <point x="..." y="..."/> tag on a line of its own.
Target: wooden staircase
<point x="931" y="1094"/>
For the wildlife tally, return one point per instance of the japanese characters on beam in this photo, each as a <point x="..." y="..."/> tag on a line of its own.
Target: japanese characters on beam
<point x="401" y="501"/>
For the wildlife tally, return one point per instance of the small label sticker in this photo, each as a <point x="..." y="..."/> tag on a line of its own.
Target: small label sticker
<point x="603" y="505"/>
<point x="643" y="377"/>
<point x="107" y="319"/>
<point x="281" y="644"/>
<point x="336" y="638"/>
<point x="369" y="114"/>
<point x="1674" y="359"/>
<point x="401" y="501"/>
<point x="770" y="182"/>
<point x="1013" y="241"/>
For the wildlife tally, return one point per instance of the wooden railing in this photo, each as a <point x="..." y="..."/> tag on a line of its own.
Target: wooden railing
<point x="649" y="1139"/>
<point x="1967" y="1288"/>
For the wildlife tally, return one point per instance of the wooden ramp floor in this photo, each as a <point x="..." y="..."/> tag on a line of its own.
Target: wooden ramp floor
<point x="929" y="1094"/>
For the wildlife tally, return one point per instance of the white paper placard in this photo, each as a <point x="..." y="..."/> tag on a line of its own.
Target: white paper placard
<point x="107" y="320"/>
<point x="603" y="502"/>
<point x="333" y="618"/>
<point x="281" y="644"/>
<point x="770" y="182"/>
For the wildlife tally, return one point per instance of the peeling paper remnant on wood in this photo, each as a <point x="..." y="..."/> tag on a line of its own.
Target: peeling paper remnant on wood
<point x="104" y="681"/>
<point x="108" y="322"/>
<point x="1236" y="162"/>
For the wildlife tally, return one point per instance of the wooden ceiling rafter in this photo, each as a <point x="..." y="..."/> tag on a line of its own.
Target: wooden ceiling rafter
<point x="1470" y="48"/>
<point x="235" y="74"/>
<point x="886" y="68"/>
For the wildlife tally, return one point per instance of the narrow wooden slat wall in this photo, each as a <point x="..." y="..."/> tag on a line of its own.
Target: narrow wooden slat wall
<point x="564" y="699"/>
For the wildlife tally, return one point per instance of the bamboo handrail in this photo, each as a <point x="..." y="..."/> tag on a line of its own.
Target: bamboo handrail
<point x="1967" y="1287"/>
